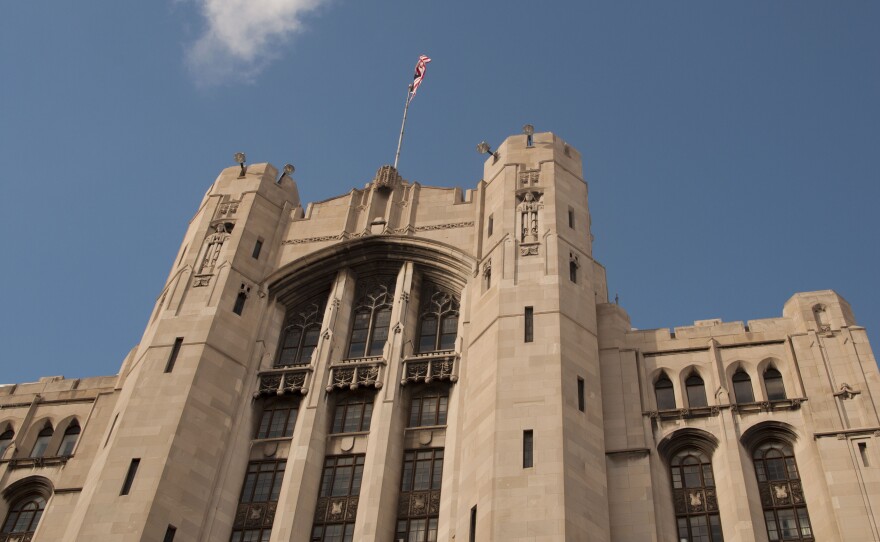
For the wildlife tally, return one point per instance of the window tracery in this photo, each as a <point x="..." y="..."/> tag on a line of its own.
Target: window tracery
<point x="694" y="497"/>
<point x="301" y="335"/>
<point x="338" y="498"/>
<point x="371" y="318"/>
<point x="23" y="518"/>
<point x="258" y="501"/>
<point x="782" y="496"/>
<point x="438" y="322"/>
<point x="419" y="503"/>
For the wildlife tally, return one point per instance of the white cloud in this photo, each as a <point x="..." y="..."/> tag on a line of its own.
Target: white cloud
<point x="242" y="36"/>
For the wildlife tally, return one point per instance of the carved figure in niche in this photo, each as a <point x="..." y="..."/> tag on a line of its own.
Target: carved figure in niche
<point x="696" y="499"/>
<point x="528" y="209"/>
<point x="213" y="246"/>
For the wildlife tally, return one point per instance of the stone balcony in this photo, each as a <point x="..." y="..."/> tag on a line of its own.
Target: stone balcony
<point x="355" y="373"/>
<point x="285" y="380"/>
<point x="428" y="367"/>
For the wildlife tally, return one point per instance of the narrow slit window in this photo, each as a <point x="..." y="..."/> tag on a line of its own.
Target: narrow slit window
<point x="863" y="452"/>
<point x="571" y="218"/>
<point x="473" y="533"/>
<point x="573" y="271"/>
<point x="169" y="366"/>
<point x="258" y="246"/>
<point x="169" y="533"/>
<point x="129" y="476"/>
<point x="581" y="399"/>
<point x="528" y="449"/>
<point x="490" y="226"/>
<point x="529" y="324"/>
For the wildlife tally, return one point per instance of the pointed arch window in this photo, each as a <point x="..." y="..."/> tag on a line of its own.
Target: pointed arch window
<point x="742" y="387"/>
<point x="68" y="443"/>
<point x="6" y="441"/>
<point x="301" y="336"/>
<point x="773" y="384"/>
<point x="438" y="323"/>
<point x="696" y="391"/>
<point x="782" y="496"/>
<point x="372" y="318"/>
<point x="24" y="517"/>
<point x="696" y="503"/>
<point x="664" y="392"/>
<point x="42" y="442"/>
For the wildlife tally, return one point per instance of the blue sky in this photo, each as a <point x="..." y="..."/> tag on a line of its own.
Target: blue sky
<point x="731" y="148"/>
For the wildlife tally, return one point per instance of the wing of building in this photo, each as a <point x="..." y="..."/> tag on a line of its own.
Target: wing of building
<point x="405" y="362"/>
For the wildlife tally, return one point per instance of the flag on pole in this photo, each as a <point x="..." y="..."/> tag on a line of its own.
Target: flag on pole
<point x="419" y="75"/>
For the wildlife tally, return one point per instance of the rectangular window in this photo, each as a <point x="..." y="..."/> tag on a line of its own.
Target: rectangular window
<point x="169" y="533"/>
<point x="490" y="226"/>
<point x="169" y="366"/>
<point x="473" y="533"/>
<point x="353" y="414"/>
<point x="337" y="499"/>
<point x="238" y="308"/>
<point x="258" y="246"/>
<point x="428" y="409"/>
<point x="570" y="218"/>
<point x="278" y="420"/>
<point x="422" y="473"/>
<point x="581" y="398"/>
<point x="863" y="452"/>
<point x="529" y="324"/>
<point x="129" y="477"/>
<point x="528" y="449"/>
<point x="262" y="485"/>
<point x="573" y="272"/>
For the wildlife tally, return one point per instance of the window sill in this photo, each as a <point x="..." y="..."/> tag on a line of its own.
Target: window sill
<point x="35" y="462"/>
<point x="425" y="427"/>
<point x="351" y="434"/>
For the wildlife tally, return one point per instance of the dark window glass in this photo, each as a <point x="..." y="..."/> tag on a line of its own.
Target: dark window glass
<point x="353" y="413"/>
<point x="529" y="324"/>
<point x="863" y="453"/>
<point x="129" y="476"/>
<point x="169" y="533"/>
<point x="68" y="443"/>
<point x="472" y="537"/>
<point x="262" y="484"/>
<point x="573" y="271"/>
<point x="371" y="318"/>
<point x="301" y="335"/>
<point x="429" y="407"/>
<point x="278" y="419"/>
<point x="490" y="226"/>
<point x="422" y="472"/>
<point x="238" y="308"/>
<point x="438" y="323"/>
<point x="696" y="391"/>
<point x="742" y="387"/>
<point x="773" y="384"/>
<point x="528" y="449"/>
<point x="785" y="512"/>
<point x="172" y="358"/>
<point x="664" y="393"/>
<point x="258" y="246"/>
<point x="581" y="397"/>
<point x="337" y="500"/>
<point x="24" y="517"/>
<point x="42" y="442"/>
<point x="694" y="497"/>
<point x="6" y="441"/>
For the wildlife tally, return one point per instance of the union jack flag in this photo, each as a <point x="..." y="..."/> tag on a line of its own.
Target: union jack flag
<point x="419" y="75"/>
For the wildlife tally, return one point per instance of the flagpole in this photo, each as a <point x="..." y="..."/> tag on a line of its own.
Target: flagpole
<point x="402" y="125"/>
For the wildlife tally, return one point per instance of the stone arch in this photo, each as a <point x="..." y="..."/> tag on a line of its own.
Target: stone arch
<point x="33" y="431"/>
<point x="658" y="374"/>
<point x="694" y="370"/>
<point x="688" y="437"/>
<point x="788" y="379"/>
<point x="768" y="430"/>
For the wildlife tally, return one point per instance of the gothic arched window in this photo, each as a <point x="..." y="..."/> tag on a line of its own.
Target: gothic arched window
<point x="696" y="391"/>
<point x="773" y="384"/>
<point x="782" y="497"/>
<point x="438" y="323"/>
<point x="24" y="516"/>
<point x="301" y="336"/>
<point x="664" y="393"/>
<point x="696" y="503"/>
<point x="742" y="387"/>
<point x="6" y="441"/>
<point x="371" y="318"/>
<point x="42" y="442"/>
<point x="71" y="435"/>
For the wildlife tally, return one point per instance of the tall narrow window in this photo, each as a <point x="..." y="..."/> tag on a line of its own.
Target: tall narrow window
<point x="420" y="492"/>
<point x="696" y="391"/>
<point x="528" y="449"/>
<point x="529" y="330"/>
<point x="773" y="385"/>
<point x="782" y="496"/>
<point x="172" y="358"/>
<point x="438" y="323"/>
<point x="372" y="318"/>
<point x="23" y="518"/>
<point x="301" y="335"/>
<point x="68" y="443"/>
<point x="353" y="413"/>
<point x="238" y="308"/>
<point x="742" y="387"/>
<point x="490" y="226"/>
<point x="278" y="419"/>
<point x="338" y="498"/>
<point x="570" y="217"/>
<point x="6" y="441"/>
<point x="129" y="476"/>
<point x="169" y="533"/>
<point x="863" y="453"/>
<point x="42" y="442"/>
<point x="428" y="407"/>
<point x="664" y="393"/>
<point x="573" y="271"/>
<point x="487" y="275"/>
<point x="258" y="247"/>
<point x="694" y="497"/>
<point x="472" y="537"/>
<point x="581" y="398"/>
<point x="256" y="511"/>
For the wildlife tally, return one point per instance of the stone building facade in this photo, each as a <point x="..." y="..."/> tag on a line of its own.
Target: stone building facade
<point x="420" y="363"/>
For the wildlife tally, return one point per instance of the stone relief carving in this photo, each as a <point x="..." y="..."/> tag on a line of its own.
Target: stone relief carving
<point x="847" y="391"/>
<point x="387" y="177"/>
<point x="528" y="208"/>
<point x="211" y="250"/>
<point x="529" y="177"/>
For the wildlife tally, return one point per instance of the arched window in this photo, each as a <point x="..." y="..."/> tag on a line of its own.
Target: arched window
<point x="773" y="384"/>
<point x="301" y="336"/>
<point x="696" y="391"/>
<point x="782" y="497"/>
<point x="371" y="318"/>
<point x="24" y="516"/>
<point x="694" y="497"/>
<point x="742" y="387"/>
<point x="42" y="442"/>
<point x="438" y="324"/>
<point x="664" y="392"/>
<point x="6" y="441"/>
<point x="71" y="434"/>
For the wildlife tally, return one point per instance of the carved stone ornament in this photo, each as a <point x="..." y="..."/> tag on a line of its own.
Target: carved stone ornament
<point x="529" y="177"/>
<point x="847" y="391"/>
<point x="212" y="247"/>
<point x="386" y="177"/>
<point x="227" y="209"/>
<point x="487" y="267"/>
<point x="528" y="208"/>
<point x="201" y="280"/>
